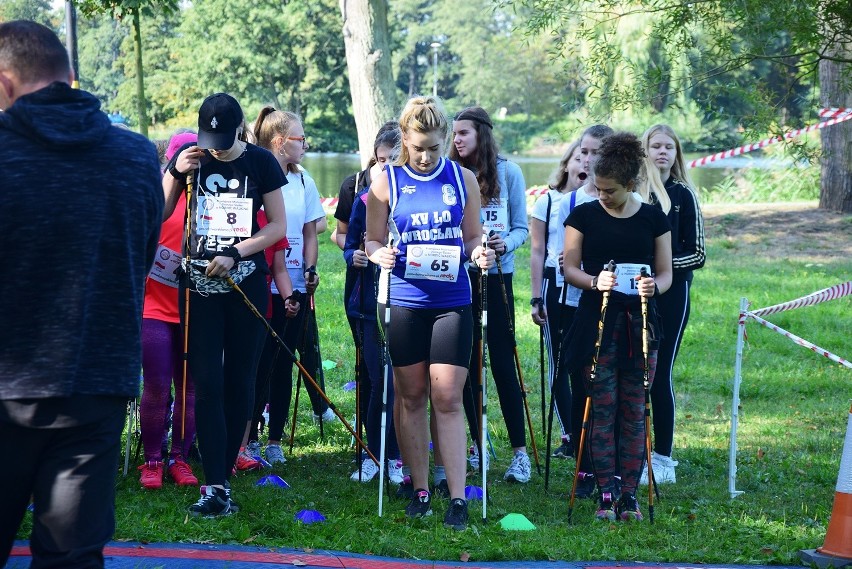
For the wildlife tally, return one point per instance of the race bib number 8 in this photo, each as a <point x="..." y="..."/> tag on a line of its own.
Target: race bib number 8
<point x="224" y="216"/>
<point x="433" y="262"/>
<point x="625" y="275"/>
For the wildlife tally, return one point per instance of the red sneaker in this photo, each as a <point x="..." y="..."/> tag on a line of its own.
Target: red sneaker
<point x="152" y="475"/>
<point x="247" y="462"/>
<point x="182" y="474"/>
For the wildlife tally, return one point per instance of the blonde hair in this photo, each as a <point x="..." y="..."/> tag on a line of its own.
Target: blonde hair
<point x="272" y="123"/>
<point x="679" y="172"/>
<point x="421" y="114"/>
<point x="559" y="178"/>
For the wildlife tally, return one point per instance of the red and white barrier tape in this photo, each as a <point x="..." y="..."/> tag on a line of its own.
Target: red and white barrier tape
<point x="802" y="342"/>
<point x="830" y="293"/>
<point x="328" y="203"/>
<point x="767" y="141"/>
<point x="834" y="112"/>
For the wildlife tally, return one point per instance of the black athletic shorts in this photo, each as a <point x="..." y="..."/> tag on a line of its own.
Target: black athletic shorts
<point x="434" y="335"/>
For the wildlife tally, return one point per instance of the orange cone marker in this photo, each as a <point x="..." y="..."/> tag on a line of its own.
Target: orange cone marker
<point x="837" y="548"/>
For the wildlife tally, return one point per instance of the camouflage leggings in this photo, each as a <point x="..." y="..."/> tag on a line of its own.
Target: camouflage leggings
<point x="618" y="402"/>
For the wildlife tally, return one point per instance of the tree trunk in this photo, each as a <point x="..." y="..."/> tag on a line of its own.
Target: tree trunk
<point x="141" y="104"/>
<point x="836" y="160"/>
<point x="368" y="60"/>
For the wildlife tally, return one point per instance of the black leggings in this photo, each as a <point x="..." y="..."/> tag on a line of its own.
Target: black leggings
<point x="275" y="384"/>
<point x="501" y="356"/>
<point x="225" y="340"/>
<point x="558" y="317"/>
<point x="673" y="308"/>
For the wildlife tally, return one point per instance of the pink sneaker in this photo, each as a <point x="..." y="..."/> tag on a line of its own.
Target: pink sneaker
<point x="152" y="475"/>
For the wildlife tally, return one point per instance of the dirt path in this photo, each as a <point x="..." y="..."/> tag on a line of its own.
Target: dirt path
<point x="794" y="230"/>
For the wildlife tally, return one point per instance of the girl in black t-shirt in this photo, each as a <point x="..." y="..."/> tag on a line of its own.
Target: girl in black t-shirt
<point x="231" y="180"/>
<point x="620" y="228"/>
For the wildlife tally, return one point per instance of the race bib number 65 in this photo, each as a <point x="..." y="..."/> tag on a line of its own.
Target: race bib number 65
<point x="433" y="262"/>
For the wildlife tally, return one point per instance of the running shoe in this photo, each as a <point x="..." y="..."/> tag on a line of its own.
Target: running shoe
<point x="406" y="489"/>
<point x="327" y="417"/>
<point x="367" y="471"/>
<point x="181" y="473"/>
<point x="246" y="461"/>
<point x="456" y="516"/>
<point x="213" y="502"/>
<point x="564" y="450"/>
<point x="473" y="459"/>
<point x="420" y="504"/>
<point x="606" y="509"/>
<point x="519" y="470"/>
<point x="395" y="471"/>
<point x="442" y="489"/>
<point x="152" y="475"/>
<point x="664" y="470"/>
<point x="628" y="508"/>
<point x="274" y="455"/>
<point x="253" y="449"/>
<point x="235" y="507"/>
<point x="586" y="485"/>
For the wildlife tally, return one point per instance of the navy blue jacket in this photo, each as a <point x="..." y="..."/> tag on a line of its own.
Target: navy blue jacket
<point x="82" y="204"/>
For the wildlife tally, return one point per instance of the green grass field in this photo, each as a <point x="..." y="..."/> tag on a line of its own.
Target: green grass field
<point x="793" y="416"/>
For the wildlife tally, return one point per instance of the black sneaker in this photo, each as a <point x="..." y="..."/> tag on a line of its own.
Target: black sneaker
<point x="628" y="508"/>
<point x="456" y="516"/>
<point x="565" y="450"/>
<point x="586" y="485"/>
<point x="406" y="489"/>
<point x="213" y="502"/>
<point x="420" y="505"/>
<point x="234" y="506"/>
<point x="441" y="489"/>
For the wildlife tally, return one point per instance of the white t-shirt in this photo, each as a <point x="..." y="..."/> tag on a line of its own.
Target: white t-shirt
<point x="555" y="231"/>
<point x="302" y="204"/>
<point x="569" y="202"/>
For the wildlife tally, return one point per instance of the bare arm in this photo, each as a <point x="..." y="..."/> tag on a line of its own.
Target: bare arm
<point x="472" y="226"/>
<point x="339" y="235"/>
<point x="378" y="201"/>
<point x="537" y="256"/>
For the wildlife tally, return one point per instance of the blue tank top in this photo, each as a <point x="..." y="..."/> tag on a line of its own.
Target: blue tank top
<point x="426" y="212"/>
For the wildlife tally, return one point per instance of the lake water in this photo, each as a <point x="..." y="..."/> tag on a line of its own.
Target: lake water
<point x="329" y="169"/>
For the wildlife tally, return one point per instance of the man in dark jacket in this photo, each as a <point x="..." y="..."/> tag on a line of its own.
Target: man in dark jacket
<point x="81" y="204"/>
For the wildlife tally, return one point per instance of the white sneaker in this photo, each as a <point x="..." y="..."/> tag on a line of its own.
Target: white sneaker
<point x="395" y="471"/>
<point x="274" y="455"/>
<point x="327" y="417"/>
<point x="519" y="470"/>
<point x="664" y="470"/>
<point x="368" y="471"/>
<point x="473" y="459"/>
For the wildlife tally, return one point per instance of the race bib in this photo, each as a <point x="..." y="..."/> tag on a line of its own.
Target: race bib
<point x="294" y="253"/>
<point x="625" y="275"/>
<point x="224" y="216"/>
<point x="433" y="262"/>
<point x="165" y="267"/>
<point x="495" y="218"/>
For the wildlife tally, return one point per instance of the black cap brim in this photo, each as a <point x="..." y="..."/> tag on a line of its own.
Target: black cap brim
<point x="217" y="140"/>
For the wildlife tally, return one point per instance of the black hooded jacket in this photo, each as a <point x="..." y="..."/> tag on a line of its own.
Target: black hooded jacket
<point x="81" y="205"/>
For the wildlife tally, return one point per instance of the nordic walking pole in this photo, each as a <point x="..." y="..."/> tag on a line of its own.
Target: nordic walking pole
<point x="187" y="248"/>
<point x="610" y="267"/>
<point x="541" y="370"/>
<point x="483" y="283"/>
<point x="303" y="342"/>
<point x="359" y="346"/>
<point x="510" y="319"/>
<point x="386" y="273"/>
<point x="319" y="372"/>
<point x="308" y="377"/>
<point x="556" y="371"/>
<point x="647" y="385"/>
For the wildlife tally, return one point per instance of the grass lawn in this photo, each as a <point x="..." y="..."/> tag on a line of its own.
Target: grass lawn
<point x="794" y="409"/>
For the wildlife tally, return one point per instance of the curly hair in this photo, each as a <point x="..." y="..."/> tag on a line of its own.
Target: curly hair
<point x="620" y="157"/>
<point x="483" y="162"/>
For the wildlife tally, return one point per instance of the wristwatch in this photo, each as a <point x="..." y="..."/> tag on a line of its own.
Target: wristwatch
<point x="594" y="283"/>
<point x="537" y="301"/>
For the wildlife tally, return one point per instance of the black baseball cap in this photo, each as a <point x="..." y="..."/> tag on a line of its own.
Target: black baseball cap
<point x="218" y="120"/>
